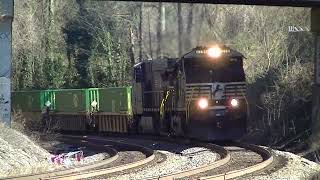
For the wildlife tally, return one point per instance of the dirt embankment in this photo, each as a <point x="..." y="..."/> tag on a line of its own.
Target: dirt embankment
<point x="19" y="155"/>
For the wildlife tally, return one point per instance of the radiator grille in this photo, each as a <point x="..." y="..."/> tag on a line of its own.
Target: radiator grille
<point x="231" y="90"/>
<point x="235" y="90"/>
<point x="194" y="91"/>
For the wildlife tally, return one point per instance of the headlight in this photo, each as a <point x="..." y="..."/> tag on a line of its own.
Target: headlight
<point x="203" y="103"/>
<point x="214" y="52"/>
<point x="234" y="103"/>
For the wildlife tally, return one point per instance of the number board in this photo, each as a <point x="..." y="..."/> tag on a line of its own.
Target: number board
<point x="205" y="51"/>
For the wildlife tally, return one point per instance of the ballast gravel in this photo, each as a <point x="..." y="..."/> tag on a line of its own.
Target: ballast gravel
<point x="175" y="161"/>
<point x="295" y="168"/>
<point x="125" y="157"/>
<point x="58" y="147"/>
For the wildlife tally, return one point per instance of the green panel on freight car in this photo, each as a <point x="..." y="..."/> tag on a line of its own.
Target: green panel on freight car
<point x="76" y="100"/>
<point x="48" y="98"/>
<point x="32" y="101"/>
<point x="92" y="99"/>
<point x="115" y="100"/>
<point x="70" y="100"/>
<point x="26" y="101"/>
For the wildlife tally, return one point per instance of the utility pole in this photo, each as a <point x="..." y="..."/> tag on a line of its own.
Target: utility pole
<point x="6" y="17"/>
<point x="315" y="28"/>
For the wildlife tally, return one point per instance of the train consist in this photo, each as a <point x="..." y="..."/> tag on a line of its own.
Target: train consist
<point x="200" y="95"/>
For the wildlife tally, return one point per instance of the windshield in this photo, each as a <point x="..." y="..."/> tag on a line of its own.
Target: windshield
<point x="206" y="71"/>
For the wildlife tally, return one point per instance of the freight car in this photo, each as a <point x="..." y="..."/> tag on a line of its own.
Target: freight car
<point x="29" y="104"/>
<point x="94" y="109"/>
<point x="201" y="95"/>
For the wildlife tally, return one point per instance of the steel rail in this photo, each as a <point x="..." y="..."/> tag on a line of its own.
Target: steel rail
<point x="111" y="151"/>
<point x="267" y="160"/>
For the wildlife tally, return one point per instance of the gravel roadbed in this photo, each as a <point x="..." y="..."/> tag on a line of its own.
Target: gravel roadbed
<point x="57" y="147"/>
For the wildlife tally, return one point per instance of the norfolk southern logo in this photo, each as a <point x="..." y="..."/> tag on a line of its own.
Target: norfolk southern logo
<point x="218" y="90"/>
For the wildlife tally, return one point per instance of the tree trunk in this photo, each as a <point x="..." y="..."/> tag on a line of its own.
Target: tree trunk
<point x="47" y="29"/>
<point x="131" y="50"/>
<point x="82" y="10"/>
<point x="140" y="31"/>
<point x="150" y="40"/>
<point x="159" y="29"/>
<point x="199" y="39"/>
<point x="180" y="30"/>
<point x="189" y="29"/>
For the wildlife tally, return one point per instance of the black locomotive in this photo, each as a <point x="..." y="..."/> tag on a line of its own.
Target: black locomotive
<point x="200" y="95"/>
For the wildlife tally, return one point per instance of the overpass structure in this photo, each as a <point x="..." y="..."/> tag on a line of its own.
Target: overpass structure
<point x="6" y="18"/>
<point x="292" y="3"/>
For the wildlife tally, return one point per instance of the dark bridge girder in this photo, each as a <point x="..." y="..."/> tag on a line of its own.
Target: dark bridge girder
<point x="293" y="3"/>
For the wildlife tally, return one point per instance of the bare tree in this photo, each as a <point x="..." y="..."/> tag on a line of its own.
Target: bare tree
<point x="159" y="29"/>
<point x="131" y="49"/>
<point x="202" y="14"/>
<point x="140" y="31"/>
<point x="180" y="29"/>
<point x="189" y="28"/>
<point x="149" y="33"/>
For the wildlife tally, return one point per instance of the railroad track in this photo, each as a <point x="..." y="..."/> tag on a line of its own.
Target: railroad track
<point x="95" y="169"/>
<point x="103" y="169"/>
<point x="206" y="171"/>
<point x="225" y="174"/>
<point x="93" y="172"/>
